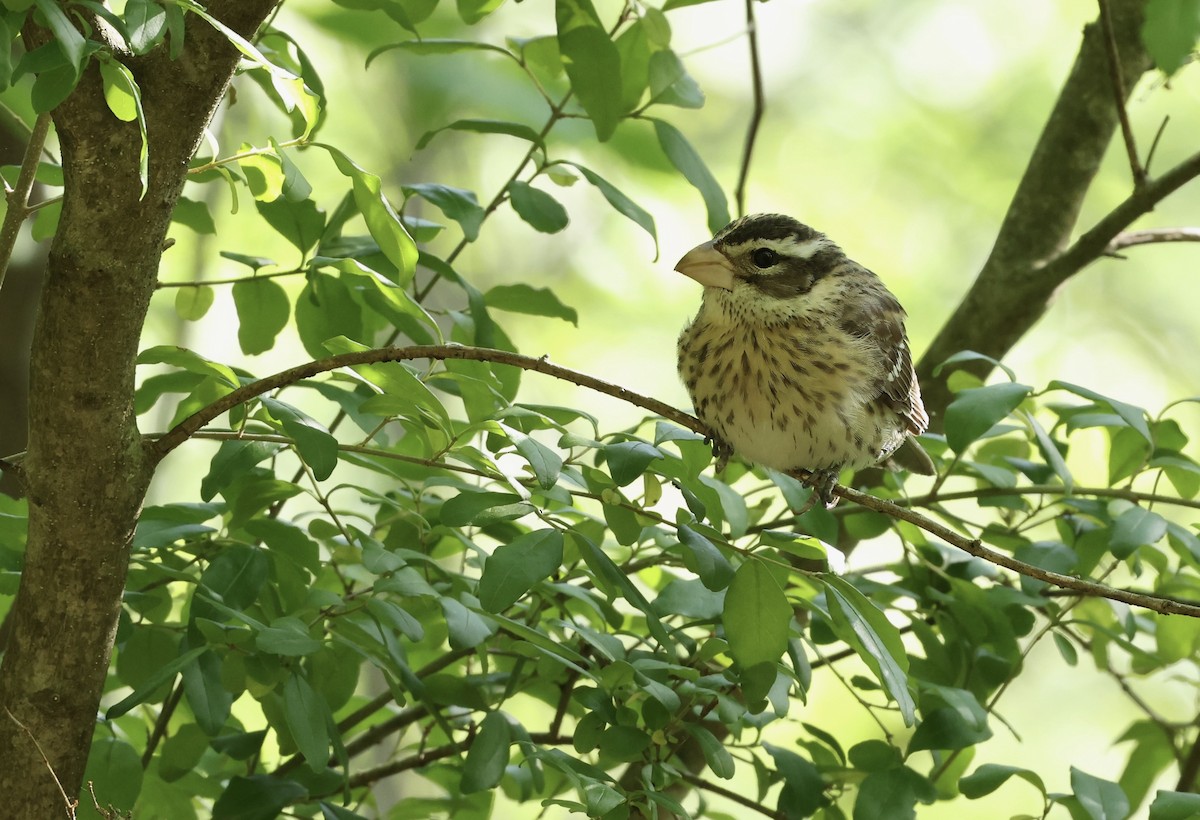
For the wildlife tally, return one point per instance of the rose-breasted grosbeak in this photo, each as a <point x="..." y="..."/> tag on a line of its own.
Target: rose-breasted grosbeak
<point x="798" y="358"/>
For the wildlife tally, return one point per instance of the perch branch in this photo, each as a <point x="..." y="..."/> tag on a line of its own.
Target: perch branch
<point x="189" y="426"/>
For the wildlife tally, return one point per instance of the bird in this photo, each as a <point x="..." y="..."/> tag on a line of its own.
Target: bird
<point x="798" y="358"/>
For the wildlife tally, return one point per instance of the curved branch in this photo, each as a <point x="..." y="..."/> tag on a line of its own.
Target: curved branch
<point x="972" y="546"/>
<point x="184" y="430"/>
<point x="189" y="426"/>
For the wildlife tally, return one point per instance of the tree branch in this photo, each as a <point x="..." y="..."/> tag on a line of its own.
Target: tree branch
<point x="182" y="431"/>
<point x="189" y="426"/>
<point x="18" y="197"/>
<point x="972" y="546"/>
<point x="1129" y="239"/>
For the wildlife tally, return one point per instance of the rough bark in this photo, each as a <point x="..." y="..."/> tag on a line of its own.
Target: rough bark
<point x="86" y="470"/>
<point x="1013" y="289"/>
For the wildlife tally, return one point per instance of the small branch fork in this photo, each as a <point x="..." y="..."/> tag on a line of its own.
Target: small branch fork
<point x="191" y="425"/>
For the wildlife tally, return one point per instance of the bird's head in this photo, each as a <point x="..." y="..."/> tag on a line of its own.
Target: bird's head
<point x="774" y="256"/>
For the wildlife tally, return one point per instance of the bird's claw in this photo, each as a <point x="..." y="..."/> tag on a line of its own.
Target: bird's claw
<point x="822" y="483"/>
<point x="721" y="450"/>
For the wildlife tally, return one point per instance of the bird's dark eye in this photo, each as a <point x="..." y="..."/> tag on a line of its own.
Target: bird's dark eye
<point x="763" y="257"/>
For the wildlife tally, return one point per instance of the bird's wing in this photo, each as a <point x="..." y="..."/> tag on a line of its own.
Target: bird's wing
<point x="878" y="317"/>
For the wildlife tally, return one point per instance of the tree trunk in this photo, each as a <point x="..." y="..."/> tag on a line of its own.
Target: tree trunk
<point x="86" y="470"/>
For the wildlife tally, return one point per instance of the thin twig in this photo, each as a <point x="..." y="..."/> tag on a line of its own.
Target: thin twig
<point x="68" y="802"/>
<point x="756" y="112"/>
<point x="231" y="281"/>
<point x="1118" y="87"/>
<point x="1128" y="239"/>
<point x="1047" y="489"/>
<point x="160" y="724"/>
<point x="754" y="805"/>
<point x="18" y="197"/>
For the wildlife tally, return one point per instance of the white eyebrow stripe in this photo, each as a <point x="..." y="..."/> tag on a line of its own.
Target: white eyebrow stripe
<point x="809" y="248"/>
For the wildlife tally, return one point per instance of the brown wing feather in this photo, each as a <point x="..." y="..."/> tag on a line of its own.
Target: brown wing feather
<point x="876" y="315"/>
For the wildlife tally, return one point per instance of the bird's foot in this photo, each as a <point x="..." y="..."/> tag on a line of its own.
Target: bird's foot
<point x="721" y="450"/>
<point x="822" y="483"/>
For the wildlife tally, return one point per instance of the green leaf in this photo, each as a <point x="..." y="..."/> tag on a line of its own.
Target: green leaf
<point x="685" y="159"/>
<point x="466" y="507"/>
<point x="66" y="37"/>
<point x="114" y="768"/>
<point x="306" y="714"/>
<point x="892" y="794"/>
<point x="702" y="557"/>
<point x="382" y="221"/>
<point x="194" y="215"/>
<point x="467" y="629"/>
<point x="472" y="11"/>
<point x="627" y="460"/>
<point x="287" y="636"/>
<point x="718" y="758"/>
<point x="145" y="25"/>
<point x="300" y="223"/>
<point x="952" y="719"/>
<point x="1135" y="417"/>
<point x="187" y="360"/>
<point x="263" y="310"/>
<point x="232" y="460"/>
<point x="874" y="638"/>
<point x="456" y="203"/>
<point x="1136" y="527"/>
<point x="976" y="410"/>
<point x="124" y="99"/>
<point x="592" y="63"/>
<point x="192" y="303"/>
<point x="670" y="84"/>
<point x="522" y="298"/>
<point x="208" y="698"/>
<point x="164" y="674"/>
<point x="621" y="203"/>
<point x="991" y="776"/>
<point x="488" y="756"/>
<point x="264" y="174"/>
<point x="258" y="797"/>
<point x="1169" y="32"/>
<point x="1175" y="806"/>
<point x="513" y="568"/>
<point x="316" y="445"/>
<point x="803" y="786"/>
<point x="480" y="126"/>
<point x="538" y="208"/>
<point x="756" y="616"/>
<point x="545" y="463"/>
<point x="1050" y="452"/>
<point x="1101" y="799"/>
